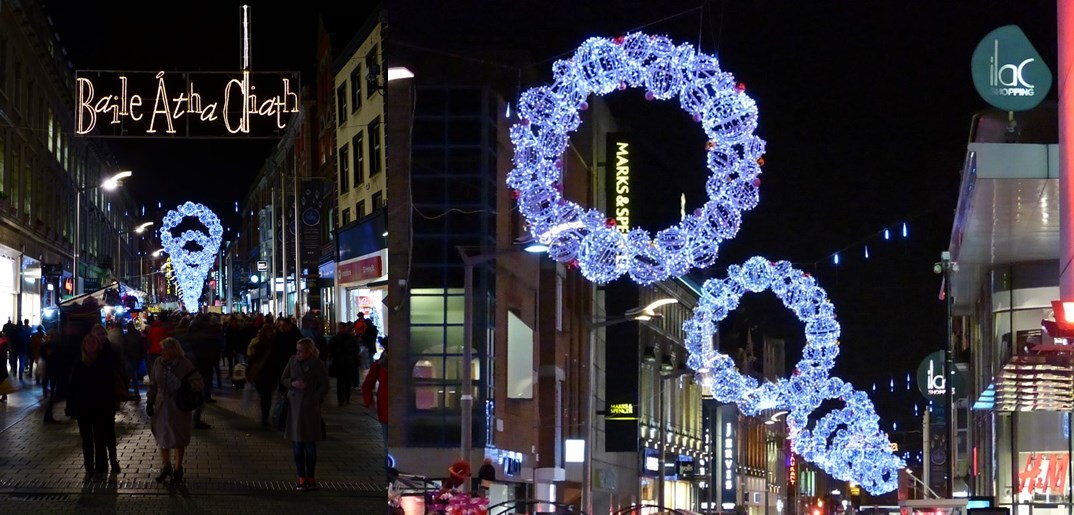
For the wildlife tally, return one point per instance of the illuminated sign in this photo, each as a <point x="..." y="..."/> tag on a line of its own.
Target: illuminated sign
<point x="621" y="411"/>
<point x="894" y="446"/>
<point x="792" y="472"/>
<point x="1044" y="473"/>
<point x="1008" y="72"/>
<point x="618" y="167"/>
<point x="185" y="104"/>
<point x="622" y="186"/>
<point x="728" y="457"/>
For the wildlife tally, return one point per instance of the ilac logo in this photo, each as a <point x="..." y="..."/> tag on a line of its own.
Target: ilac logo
<point x="1010" y="76"/>
<point x="1008" y="72"/>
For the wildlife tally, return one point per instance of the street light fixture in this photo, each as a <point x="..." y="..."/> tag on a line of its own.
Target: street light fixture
<point x="109" y="184"/>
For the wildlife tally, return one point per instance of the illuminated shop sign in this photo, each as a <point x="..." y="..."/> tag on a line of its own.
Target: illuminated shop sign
<point x="130" y="104"/>
<point x="618" y="177"/>
<point x="1044" y="473"/>
<point x="621" y="411"/>
<point x="728" y="457"/>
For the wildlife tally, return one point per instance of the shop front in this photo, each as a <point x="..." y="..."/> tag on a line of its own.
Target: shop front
<point x="361" y="273"/>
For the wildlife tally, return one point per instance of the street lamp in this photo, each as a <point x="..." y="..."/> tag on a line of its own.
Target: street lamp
<point x="466" y="397"/>
<point x="109" y="184"/>
<point x="644" y="315"/>
<point x="138" y="230"/>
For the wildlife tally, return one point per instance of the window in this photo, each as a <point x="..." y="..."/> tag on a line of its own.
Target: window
<point x="3" y="63"/>
<point x="344" y="170"/>
<point x="374" y="147"/>
<point x="359" y="158"/>
<point x="356" y="87"/>
<point x="346" y="216"/>
<point x="27" y="194"/>
<point x="359" y="210"/>
<point x="51" y="133"/>
<point x="373" y="69"/>
<point x="378" y="200"/>
<point x="341" y="104"/>
<point x="3" y="173"/>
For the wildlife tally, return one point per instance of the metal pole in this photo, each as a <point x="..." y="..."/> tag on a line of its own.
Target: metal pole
<point x="298" y="258"/>
<point x="925" y="450"/>
<point x="590" y="408"/>
<point x="466" y="397"/>
<point x="767" y="485"/>
<point x="663" y="438"/>
<point x="272" y="238"/>
<point x="78" y="234"/>
<point x="949" y="370"/>
<point x="283" y="240"/>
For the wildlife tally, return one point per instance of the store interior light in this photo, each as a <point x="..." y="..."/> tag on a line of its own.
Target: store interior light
<point x="399" y="72"/>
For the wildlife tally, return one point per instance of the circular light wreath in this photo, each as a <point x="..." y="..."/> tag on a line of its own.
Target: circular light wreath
<point x="191" y="267"/>
<point x="588" y="237"/>
<point x="847" y="443"/>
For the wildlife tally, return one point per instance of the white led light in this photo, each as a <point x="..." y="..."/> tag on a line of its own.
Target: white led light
<point x="847" y="443"/>
<point x="191" y="267"/>
<point x="548" y="114"/>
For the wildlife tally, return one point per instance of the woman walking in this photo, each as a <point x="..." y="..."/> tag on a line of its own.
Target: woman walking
<point x="92" y="401"/>
<point x="171" y="425"/>
<point x="306" y="380"/>
<point x="259" y="368"/>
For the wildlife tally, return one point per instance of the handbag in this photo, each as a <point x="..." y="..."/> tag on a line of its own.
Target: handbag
<point x="186" y="398"/>
<point x="7" y="386"/>
<point x="279" y="412"/>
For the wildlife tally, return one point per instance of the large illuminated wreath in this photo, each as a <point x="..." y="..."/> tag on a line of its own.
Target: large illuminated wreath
<point x="847" y="442"/>
<point x="191" y="265"/>
<point x="665" y="70"/>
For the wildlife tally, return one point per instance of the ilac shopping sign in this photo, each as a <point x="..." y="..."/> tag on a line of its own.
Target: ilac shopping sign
<point x="1008" y="72"/>
<point x="185" y="104"/>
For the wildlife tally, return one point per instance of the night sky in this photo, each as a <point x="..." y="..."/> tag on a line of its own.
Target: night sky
<point x="865" y="107"/>
<point x="196" y="36"/>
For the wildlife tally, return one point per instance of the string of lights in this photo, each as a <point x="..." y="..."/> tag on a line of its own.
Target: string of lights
<point x="588" y="238"/>
<point x="191" y="267"/>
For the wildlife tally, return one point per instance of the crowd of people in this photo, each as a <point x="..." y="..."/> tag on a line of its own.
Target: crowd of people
<point x="95" y="367"/>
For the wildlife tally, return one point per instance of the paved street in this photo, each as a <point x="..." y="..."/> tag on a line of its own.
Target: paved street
<point x="235" y="467"/>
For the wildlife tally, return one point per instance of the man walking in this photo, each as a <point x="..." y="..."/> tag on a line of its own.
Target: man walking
<point x="343" y="351"/>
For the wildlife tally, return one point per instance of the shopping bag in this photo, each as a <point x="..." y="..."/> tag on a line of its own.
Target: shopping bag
<point x="7" y="386"/>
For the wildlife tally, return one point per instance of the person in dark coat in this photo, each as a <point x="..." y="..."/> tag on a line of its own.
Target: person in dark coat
<point x="92" y="401"/>
<point x="205" y="340"/>
<point x="306" y="379"/>
<point x="343" y="349"/>
<point x="260" y="368"/>
<point x="133" y="354"/>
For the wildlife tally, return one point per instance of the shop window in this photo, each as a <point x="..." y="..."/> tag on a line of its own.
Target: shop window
<point x="519" y="358"/>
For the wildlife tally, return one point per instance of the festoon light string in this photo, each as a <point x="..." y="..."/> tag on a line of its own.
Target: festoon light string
<point x="847" y="442"/>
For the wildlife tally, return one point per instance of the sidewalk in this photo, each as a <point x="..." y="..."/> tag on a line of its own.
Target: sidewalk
<point x="238" y="466"/>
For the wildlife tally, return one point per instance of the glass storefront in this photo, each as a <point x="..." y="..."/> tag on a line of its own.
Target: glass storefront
<point x="31" y="290"/>
<point x="368" y="301"/>
<point x="8" y="287"/>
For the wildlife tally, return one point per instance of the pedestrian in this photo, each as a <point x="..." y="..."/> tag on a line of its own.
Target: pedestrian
<point x="205" y="339"/>
<point x="259" y="367"/>
<point x="377" y="379"/>
<point x="16" y="345"/>
<point x="487" y="475"/>
<point x="343" y="351"/>
<point x="171" y="426"/>
<point x="92" y="401"/>
<point x="49" y="364"/>
<point x="306" y="380"/>
<point x="6" y="386"/>
<point x="159" y="329"/>
<point x="36" y="341"/>
<point x="133" y="354"/>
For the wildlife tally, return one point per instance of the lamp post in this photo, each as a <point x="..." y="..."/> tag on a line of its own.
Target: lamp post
<point x="946" y="266"/>
<point x="466" y="396"/>
<point x="138" y="230"/>
<point x="639" y="314"/>
<point x="109" y="184"/>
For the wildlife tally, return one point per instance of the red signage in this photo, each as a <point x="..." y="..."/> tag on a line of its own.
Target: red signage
<point x="1044" y="473"/>
<point x="360" y="270"/>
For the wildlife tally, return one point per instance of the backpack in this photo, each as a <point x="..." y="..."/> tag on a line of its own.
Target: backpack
<point x="186" y="398"/>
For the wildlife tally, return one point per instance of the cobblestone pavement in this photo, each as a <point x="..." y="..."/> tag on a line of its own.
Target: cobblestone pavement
<point x="238" y="466"/>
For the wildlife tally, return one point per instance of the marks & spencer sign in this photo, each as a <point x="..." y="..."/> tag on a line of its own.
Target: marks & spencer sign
<point x="1008" y="72"/>
<point x="185" y="104"/>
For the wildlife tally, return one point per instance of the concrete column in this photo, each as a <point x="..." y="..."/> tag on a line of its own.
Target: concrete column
<point x="1065" y="38"/>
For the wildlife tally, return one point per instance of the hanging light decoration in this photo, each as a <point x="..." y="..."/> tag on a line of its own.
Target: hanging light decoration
<point x="847" y="443"/>
<point x="665" y="70"/>
<point x="191" y="267"/>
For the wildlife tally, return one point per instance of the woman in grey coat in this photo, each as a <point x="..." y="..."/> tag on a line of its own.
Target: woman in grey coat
<point x="171" y="426"/>
<point x="306" y="381"/>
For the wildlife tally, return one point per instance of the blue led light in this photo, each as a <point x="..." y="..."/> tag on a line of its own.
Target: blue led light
<point x="847" y="443"/>
<point x="191" y="267"/>
<point x="549" y="113"/>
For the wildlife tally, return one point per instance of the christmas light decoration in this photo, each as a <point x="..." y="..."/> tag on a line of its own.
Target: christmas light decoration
<point x="847" y="442"/>
<point x="665" y="70"/>
<point x="191" y="266"/>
